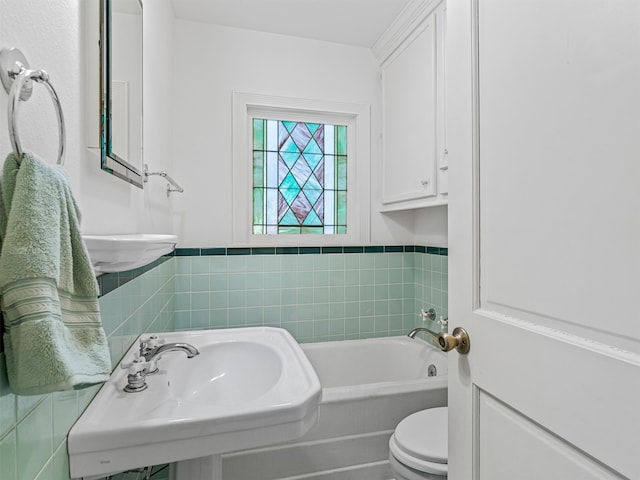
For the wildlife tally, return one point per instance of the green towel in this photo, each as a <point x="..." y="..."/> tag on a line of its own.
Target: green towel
<point x="53" y="337"/>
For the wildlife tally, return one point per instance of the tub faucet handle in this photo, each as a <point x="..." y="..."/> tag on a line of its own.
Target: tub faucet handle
<point x="429" y="314"/>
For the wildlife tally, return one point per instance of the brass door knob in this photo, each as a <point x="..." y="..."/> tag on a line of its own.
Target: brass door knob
<point x="458" y="339"/>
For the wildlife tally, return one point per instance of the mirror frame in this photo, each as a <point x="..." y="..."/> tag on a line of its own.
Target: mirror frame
<point x="109" y="161"/>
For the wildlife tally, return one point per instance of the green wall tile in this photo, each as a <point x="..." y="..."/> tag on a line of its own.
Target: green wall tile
<point x="7" y="400"/>
<point x="200" y="283"/>
<point x="255" y="298"/>
<point x="305" y="330"/>
<point x="336" y="327"/>
<point x="65" y="413"/>
<point x="321" y="278"/>
<point x="237" y="299"/>
<point x="237" y="316"/>
<point x="381" y="260"/>
<point x="200" y="301"/>
<point x="271" y="316"/>
<point x="305" y="312"/>
<point x="321" y="295"/>
<point x="219" y="265"/>
<point x="336" y="294"/>
<point x="8" y="454"/>
<point x="237" y="281"/>
<point x="34" y="437"/>
<point x="27" y="403"/>
<point x="255" y="316"/>
<point x="183" y="301"/>
<point x="367" y="293"/>
<point x="255" y="281"/>
<point x="237" y="263"/>
<point x="57" y="468"/>
<point x="351" y="293"/>
<point x="200" y="319"/>
<point x="219" y="282"/>
<point x="366" y="324"/>
<point x="183" y="320"/>
<point x="271" y="297"/>
<point x="305" y="295"/>
<point x="219" y="318"/>
<point x="321" y="312"/>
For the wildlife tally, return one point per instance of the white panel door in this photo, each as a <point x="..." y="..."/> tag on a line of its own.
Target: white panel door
<point x="543" y="128"/>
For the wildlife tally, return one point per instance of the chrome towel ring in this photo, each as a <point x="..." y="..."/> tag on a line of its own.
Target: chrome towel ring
<point x="18" y="80"/>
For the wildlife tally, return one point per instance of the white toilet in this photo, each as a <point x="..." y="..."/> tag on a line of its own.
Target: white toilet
<point x="418" y="447"/>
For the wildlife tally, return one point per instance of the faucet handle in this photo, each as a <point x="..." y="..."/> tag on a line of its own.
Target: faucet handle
<point x="137" y="372"/>
<point x="152" y="341"/>
<point x="149" y="343"/>
<point x="137" y="365"/>
<point x="428" y="314"/>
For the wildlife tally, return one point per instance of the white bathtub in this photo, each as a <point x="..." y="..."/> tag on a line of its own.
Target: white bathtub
<point x="368" y="386"/>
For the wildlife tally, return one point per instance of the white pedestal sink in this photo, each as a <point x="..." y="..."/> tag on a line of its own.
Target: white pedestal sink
<point x="248" y="387"/>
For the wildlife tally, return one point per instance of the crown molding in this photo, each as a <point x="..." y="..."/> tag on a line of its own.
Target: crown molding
<point x="411" y="17"/>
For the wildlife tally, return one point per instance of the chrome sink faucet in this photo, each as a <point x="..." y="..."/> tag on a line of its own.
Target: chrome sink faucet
<point x="152" y="348"/>
<point x="144" y="363"/>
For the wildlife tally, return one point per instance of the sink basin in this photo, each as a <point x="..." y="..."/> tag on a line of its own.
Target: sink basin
<point x="117" y="253"/>
<point x="227" y="374"/>
<point x="248" y="387"/>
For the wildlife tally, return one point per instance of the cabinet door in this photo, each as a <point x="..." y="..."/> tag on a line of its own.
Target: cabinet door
<point x="410" y="157"/>
<point x="441" y="126"/>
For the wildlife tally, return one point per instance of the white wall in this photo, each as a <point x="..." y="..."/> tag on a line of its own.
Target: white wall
<point x="51" y="36"/>
<point x="214" y="61"/>
<point x="190" y="135"/>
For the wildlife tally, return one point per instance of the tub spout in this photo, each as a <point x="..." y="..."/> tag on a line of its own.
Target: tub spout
<point x="415" y="331"/>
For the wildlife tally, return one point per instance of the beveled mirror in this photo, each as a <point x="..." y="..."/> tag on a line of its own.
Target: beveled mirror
<point x="121" y="89"/>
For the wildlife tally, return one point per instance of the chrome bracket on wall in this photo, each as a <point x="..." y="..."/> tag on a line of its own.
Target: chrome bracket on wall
<point x="166" y="176"/>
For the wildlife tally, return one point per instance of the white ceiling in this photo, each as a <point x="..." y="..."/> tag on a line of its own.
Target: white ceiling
<point x="352" y="22"/>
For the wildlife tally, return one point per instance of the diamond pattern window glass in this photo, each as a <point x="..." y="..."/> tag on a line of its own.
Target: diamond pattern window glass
<point x="299" y="178"/>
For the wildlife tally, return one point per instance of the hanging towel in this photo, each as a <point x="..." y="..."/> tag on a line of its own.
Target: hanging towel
<point x="53" y="338"/>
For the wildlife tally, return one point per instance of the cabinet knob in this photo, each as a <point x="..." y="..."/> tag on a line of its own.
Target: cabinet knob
<point x="425" y="182"/>
<point x="446" y="152"/>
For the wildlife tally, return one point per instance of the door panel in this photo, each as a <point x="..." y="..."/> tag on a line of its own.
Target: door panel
<point x="543" y="455"/>
<point x="543" y="126"/>
<point x="559" y="128"/>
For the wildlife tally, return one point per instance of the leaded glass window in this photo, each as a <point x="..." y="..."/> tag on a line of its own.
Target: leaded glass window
<point x="299" y="178"/>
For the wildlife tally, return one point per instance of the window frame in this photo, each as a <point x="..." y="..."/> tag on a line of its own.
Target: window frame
<point x="356" y="117"/>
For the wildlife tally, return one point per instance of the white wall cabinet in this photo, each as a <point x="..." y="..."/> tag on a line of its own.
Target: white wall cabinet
<point x="411" y="54"/>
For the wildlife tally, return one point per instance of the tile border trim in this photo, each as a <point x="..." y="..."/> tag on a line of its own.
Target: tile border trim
<point x="232" y="251"/>
<point x="108" y="282"/>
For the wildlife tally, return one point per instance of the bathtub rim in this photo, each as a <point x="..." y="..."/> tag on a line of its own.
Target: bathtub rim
<point x="379" y="389"/>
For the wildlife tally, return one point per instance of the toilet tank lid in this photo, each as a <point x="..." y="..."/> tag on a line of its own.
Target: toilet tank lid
<point x="424" y="435"/>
